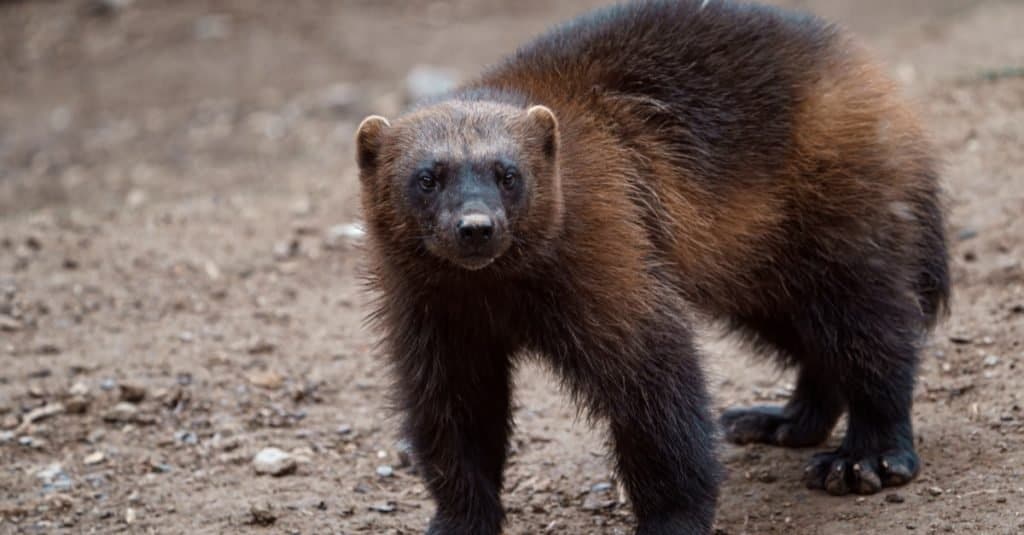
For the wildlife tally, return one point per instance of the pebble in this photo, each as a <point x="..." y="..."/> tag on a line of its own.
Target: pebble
<point x="403" y="454"/>
<point x="895" y="497"/>
<point x="130" y="516"/>
<point x="967" y="234"/>
<point x="990" y="361"/>
<point x="123" y="412"/>
<point x="79" y="389"/>
<point x="54" y="478"/>
<point x="935" y="491"/>
<point x="42" y="413"/>
<point x="77" y="405"/>
<point x="6" y="436"/>
<point x="108" y="384"/>
<point x="262" y="514"/>
<point x="598" y="502"/>
<point x="132" y="393"/>
<point x="186" y="437"/>
<point x="268" y="379"/>
<point x="274" y="462"/>
<point x="385" y="470"/>
<point x="32" y="442"/>
<point x="383" y="507"/>
<point x="9" y="324"/>
<point x="344" y="429"/>
<point x="94" y="458"/>
<point x="286" y="249"/>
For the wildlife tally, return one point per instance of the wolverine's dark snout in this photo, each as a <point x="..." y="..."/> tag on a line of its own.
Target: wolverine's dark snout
<point x="475" y="229"/>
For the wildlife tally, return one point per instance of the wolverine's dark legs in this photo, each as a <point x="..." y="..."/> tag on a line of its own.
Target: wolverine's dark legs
<point x="856" y="347"/>
<point x="875" y="363"/>
<point x="651" y="390"/>
<point x="457" y="417"/>
<point x="806" y="420"/>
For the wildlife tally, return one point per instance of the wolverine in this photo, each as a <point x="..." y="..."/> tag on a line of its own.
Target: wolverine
<point x="590" y="199"/>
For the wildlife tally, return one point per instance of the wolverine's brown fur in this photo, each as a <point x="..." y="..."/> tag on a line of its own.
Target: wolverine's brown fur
<point x="738" y="162"/>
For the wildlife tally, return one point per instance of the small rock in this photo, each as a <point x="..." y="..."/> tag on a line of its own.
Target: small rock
<point x="54" y="478"/>
<point x="135" y="198"/>
<point x="108" y="384"/>
<point x="79" y="389"/>
<point x="598" y="502"/>
<point x="261" y="347"/>
<point x="344" y="429"/>
<point x="895" y="497"/>
<point x="130" y="516"/>
<point x="42" y="413"/>
<point x="604" y="486"/>
<point x="132" y="393"/>
<point x="274" y="462"/>
<point x="935" y="491"/>
<point x="766" y="476"/>
<point x="158" y="467"/>
<point x="95" y="435"/>
<point x="262" y="515"/>
<point x="383" y="507"/>
<point x="123" y="412"/>
<point x="94" y="458"/>
<point x="385" y="471"/>
<point x="967" y="234"/>
<point x="403" y="454"/>
<point x="32" y="442"/>
<point x="9" y="324"/>
<point x="425" y="82"/>
<point x="268" y="379"/>
<point x="77" y="405"/>
<point x="41" y="373"/>
<point x="186" y="437"/>
<point x="6" y="436"/>
<point x="990" y="361"/>
<point x="286" y="249"/>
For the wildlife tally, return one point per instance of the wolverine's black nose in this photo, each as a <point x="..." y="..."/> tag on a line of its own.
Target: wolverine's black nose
<point x="475" y="229"/>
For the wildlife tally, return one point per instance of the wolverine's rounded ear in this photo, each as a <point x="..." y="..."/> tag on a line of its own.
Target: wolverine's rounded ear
<point x="369" y="142"/>
<point x="544" y="125"/>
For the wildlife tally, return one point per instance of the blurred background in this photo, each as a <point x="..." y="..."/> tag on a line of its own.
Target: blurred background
<point x="179" y="290"/>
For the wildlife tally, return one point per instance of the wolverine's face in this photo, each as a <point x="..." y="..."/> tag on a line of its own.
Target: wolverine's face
<point x="461" y="177"/>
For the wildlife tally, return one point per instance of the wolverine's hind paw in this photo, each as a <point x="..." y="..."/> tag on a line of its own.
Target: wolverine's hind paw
<point x="770" y="425"/>
<point x="840" y="473"/>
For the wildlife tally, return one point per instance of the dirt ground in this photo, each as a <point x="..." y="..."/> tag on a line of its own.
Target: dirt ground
<point x="178" y="285"/>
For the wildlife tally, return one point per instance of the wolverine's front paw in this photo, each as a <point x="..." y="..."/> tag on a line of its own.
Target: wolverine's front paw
<point x="840" y="473"/>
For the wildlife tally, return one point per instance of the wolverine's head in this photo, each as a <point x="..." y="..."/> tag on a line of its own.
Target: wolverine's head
<point x="464" y="180"/>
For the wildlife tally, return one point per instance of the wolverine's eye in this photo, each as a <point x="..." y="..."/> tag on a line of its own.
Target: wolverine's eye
<point x="508" y="180"/>
<point x="427" y="181"/>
